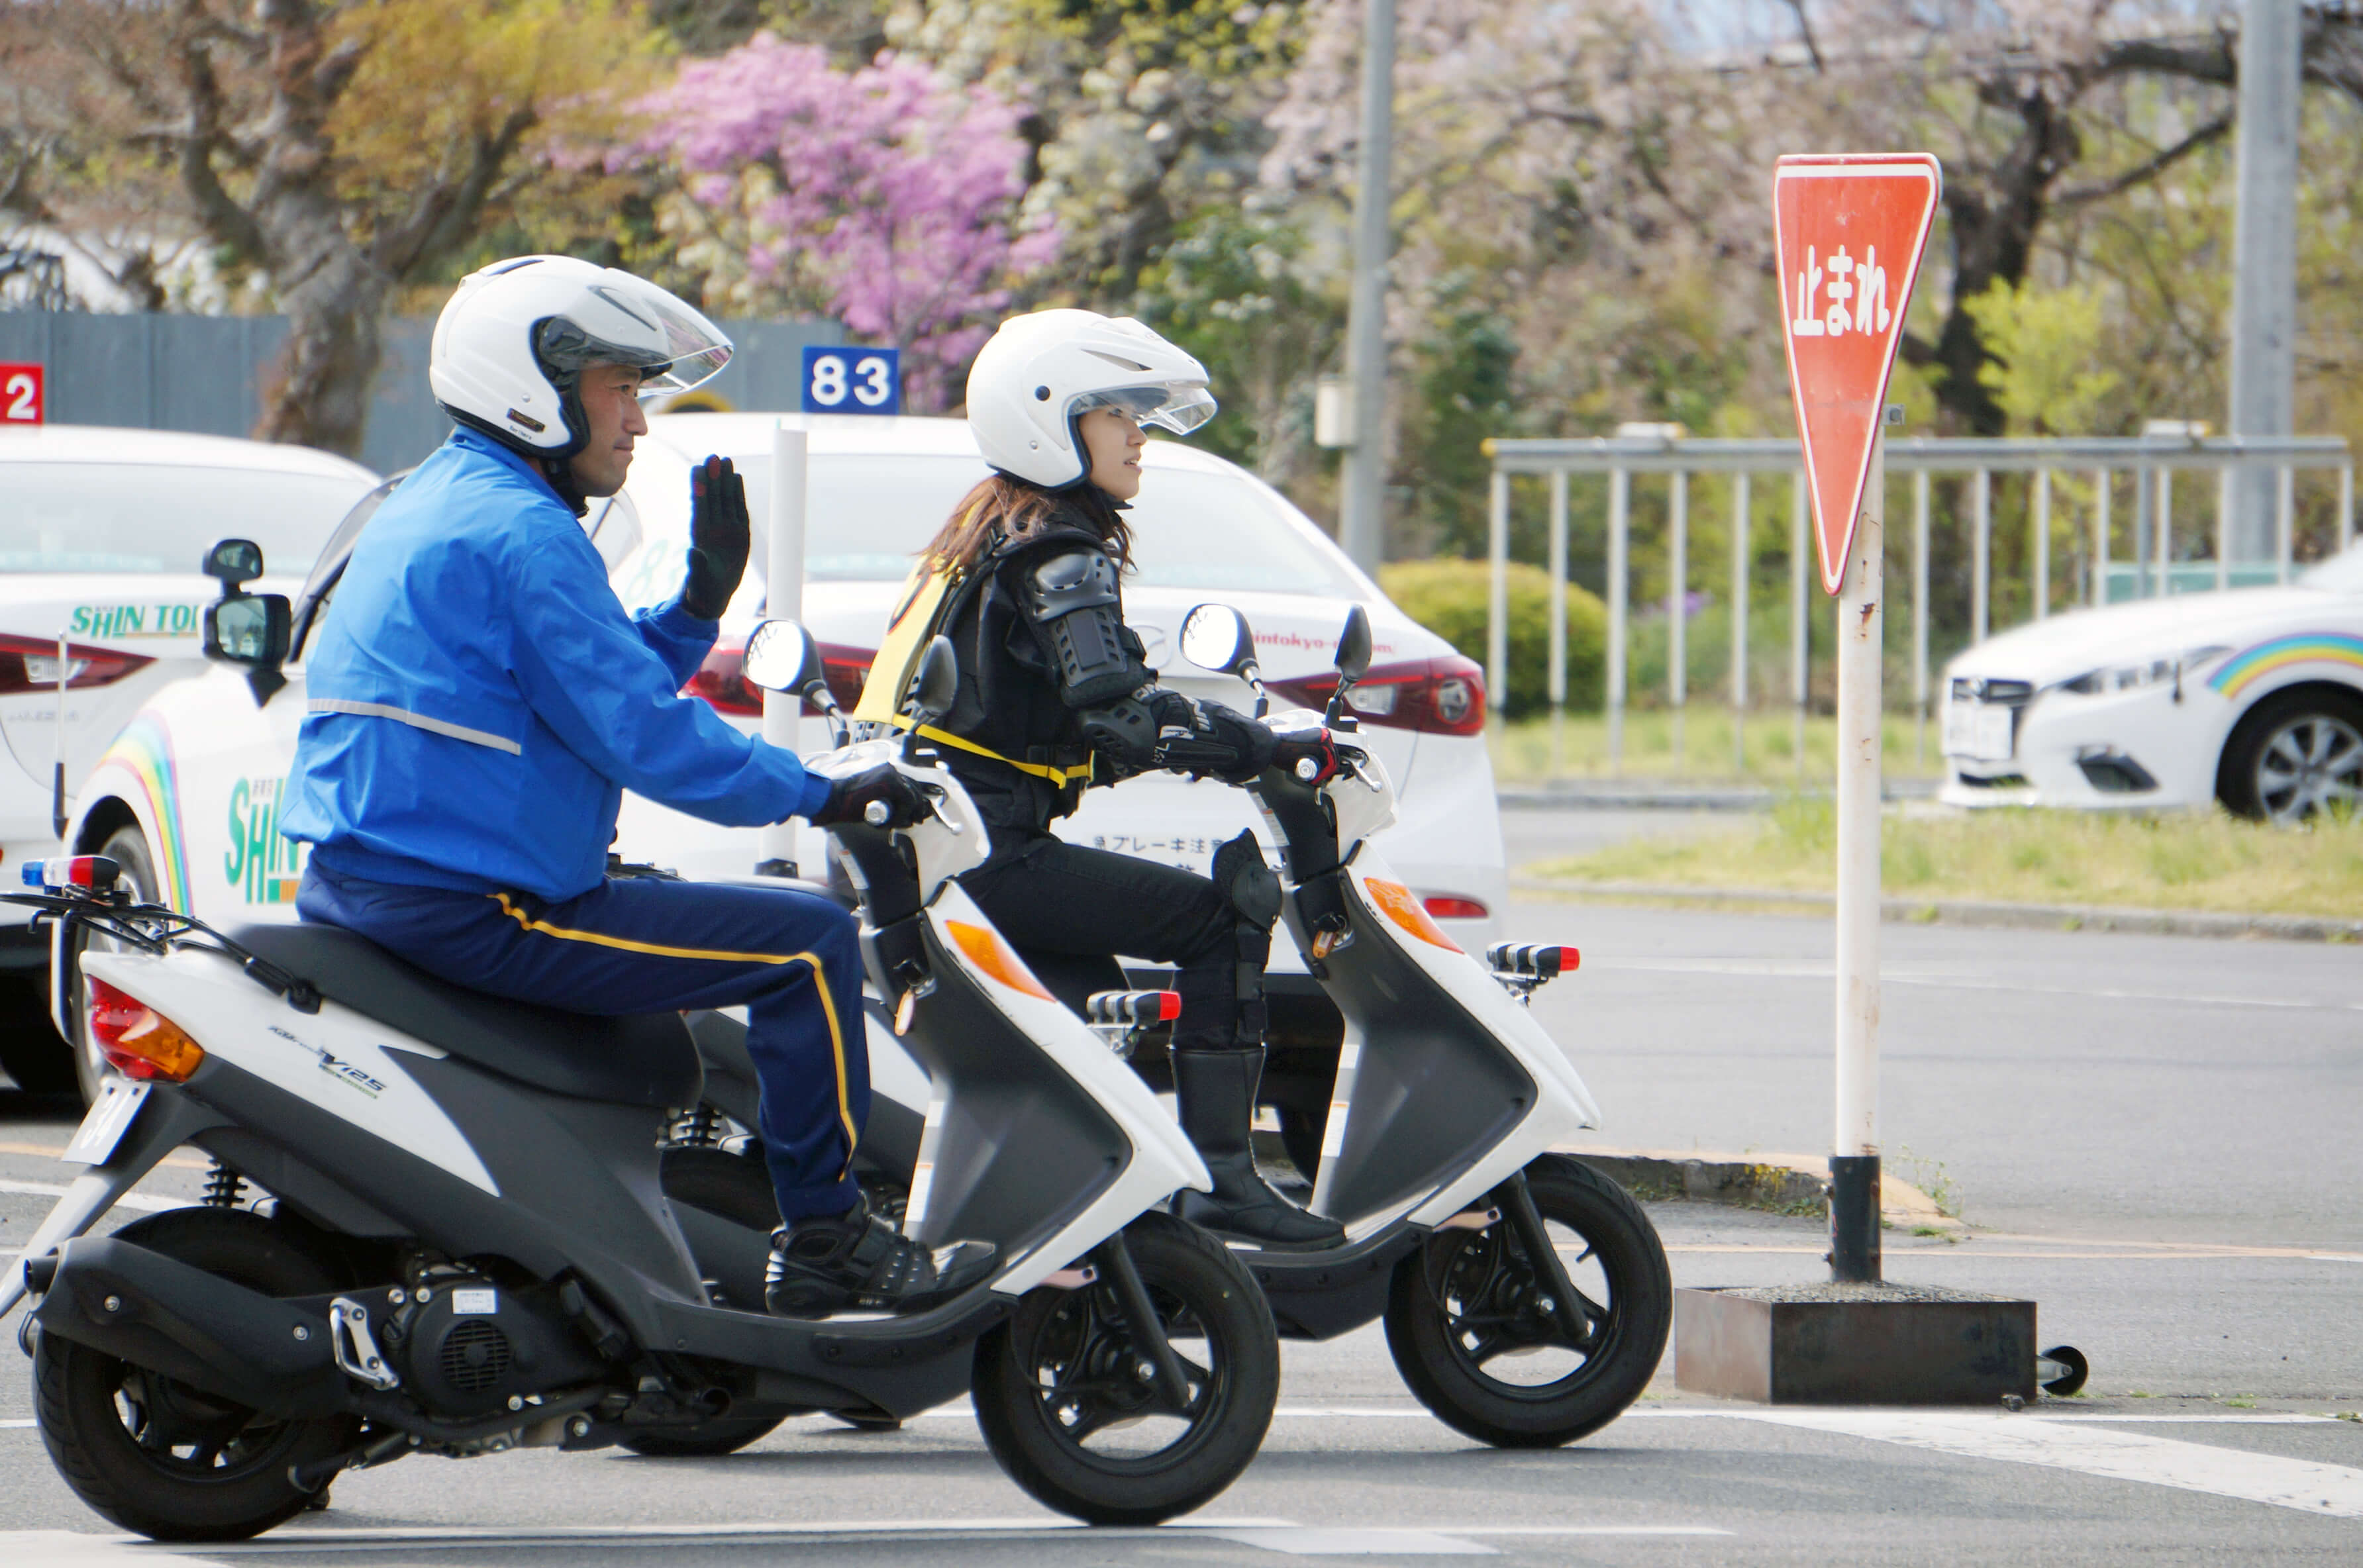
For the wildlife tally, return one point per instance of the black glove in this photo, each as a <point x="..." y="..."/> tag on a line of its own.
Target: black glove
<point x="850" y="799"/>
<point x="718" y="534"/>
<point x="1201" y="738"/>
<point x="1288" y="753"/>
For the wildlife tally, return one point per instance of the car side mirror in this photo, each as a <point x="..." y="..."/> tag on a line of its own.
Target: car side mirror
<point x="782" y="656"/>
<point x="234" y="562"/>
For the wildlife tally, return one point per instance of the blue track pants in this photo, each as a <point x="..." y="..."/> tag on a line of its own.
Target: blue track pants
<point x="645" y="945"/>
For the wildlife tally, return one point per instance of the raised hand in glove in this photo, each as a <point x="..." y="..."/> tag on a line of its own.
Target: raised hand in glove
<point x="850" y="798"/>
<point x="718" y="537"/>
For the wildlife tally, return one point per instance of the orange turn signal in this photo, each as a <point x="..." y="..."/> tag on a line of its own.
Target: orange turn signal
<point x="1399" y="904"/>
<point x="985" y="949"/>
<point x="137" y="1041"/>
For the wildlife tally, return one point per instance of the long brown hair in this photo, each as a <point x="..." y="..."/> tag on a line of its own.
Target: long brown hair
<point x="1013" y="509"/>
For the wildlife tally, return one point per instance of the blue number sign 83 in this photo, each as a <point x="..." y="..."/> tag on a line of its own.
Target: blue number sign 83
<point x="852" y="380"/>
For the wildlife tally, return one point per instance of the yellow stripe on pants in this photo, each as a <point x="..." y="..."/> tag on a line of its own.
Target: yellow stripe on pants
<point x="719" y="955"/>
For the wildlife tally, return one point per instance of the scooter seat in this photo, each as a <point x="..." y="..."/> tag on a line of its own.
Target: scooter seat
<point x="643" y="1059"/>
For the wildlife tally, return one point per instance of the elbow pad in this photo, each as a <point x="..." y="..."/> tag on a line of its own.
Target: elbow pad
<point x="1074" y="599"/>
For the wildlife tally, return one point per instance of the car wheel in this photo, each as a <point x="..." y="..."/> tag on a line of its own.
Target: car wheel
<point x="2293" y="755"/>
<point x="129" y="849"/>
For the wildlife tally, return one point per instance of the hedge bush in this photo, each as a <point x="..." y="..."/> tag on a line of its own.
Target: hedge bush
<point x="1449" y="597"/>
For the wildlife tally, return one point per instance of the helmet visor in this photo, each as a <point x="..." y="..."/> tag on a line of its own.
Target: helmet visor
<point x="630" y="321"/>
<point x="697" y="349"/>
<point x="1178" y="409"/>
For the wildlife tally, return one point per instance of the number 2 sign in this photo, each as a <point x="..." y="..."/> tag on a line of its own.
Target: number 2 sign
<point x="20" y="394"/>
<point x="853" y="380"/>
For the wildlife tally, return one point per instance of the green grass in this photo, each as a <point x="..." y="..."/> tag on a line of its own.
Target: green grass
<point x="2186" y="861"/>
<point x="1530" y="753"/>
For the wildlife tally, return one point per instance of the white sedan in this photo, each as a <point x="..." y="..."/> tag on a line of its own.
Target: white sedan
<point x="2253" y="698"/>
<point x="189" y="799"/>
<point x="101" y="534"/>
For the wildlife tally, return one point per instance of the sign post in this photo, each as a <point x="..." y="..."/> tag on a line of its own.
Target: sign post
<point x="1850" y="230"/>
<point x="783" y="600"/>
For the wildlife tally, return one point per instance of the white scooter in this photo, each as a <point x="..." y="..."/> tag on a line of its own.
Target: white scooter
<point x="1526" y="1297"/>
<point x="463" y="1245"/>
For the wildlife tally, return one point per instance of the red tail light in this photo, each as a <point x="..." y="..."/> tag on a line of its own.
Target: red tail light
<point x="137" y="1041"/>
<point x="1444" y="906"/>
<point x="30" y="664"/>
<point x="718" y="680"/>
<point x="1444" y="696"/>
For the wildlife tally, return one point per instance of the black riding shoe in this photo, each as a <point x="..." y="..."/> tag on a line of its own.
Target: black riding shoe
<point x="855" y="1259"/>
<point x="1216" y="1090"/>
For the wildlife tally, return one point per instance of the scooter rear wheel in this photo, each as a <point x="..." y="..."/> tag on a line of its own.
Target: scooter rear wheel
<point x="1473" y="1342"/>
<point x="168" y="1460"/>
<point x="1063" y="1404"/>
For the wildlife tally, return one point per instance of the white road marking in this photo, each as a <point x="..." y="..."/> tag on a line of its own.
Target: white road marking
<point x="129" y="1200"/>
<point x="42" y="1547"/>
<point x="2304" y="1484"/>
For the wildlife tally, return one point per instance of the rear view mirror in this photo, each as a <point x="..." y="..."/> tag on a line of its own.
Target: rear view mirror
<point x="782" y="657"/>
<point x="236" y="562"/>
<point x="939" y="682"/>
<point x="1354" y="645"/>
<point x="250" y="629"/>
<point x="1216" y="637"/>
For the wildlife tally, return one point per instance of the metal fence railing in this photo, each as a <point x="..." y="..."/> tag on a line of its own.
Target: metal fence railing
<point x="2149" y="464"/>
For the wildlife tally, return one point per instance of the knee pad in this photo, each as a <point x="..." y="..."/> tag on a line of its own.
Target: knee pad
<point x="1240" y="872"/>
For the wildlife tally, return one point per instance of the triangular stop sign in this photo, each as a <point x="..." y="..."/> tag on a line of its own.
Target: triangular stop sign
<point x="1849" y="229"/>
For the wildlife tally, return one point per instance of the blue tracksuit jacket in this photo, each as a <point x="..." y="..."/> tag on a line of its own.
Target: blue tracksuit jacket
<point x="478" y="699"/>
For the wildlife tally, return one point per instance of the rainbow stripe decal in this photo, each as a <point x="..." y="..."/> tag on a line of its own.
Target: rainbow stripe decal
<point x="144" y="750"/>
<point x="2251" y="665"/>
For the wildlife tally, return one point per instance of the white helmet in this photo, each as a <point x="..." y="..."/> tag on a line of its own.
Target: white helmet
<point x="1040" y="371"/>
<point x="511" y="345"/>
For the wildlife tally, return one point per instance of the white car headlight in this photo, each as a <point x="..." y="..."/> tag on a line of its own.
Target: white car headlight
<point x="2147" y="672"/>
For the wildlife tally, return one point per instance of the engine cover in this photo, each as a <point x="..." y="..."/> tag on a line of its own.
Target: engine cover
<point x="471" y="1346"/>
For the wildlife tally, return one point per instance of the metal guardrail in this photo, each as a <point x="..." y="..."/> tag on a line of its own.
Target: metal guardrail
<point x="2150" y="462"/>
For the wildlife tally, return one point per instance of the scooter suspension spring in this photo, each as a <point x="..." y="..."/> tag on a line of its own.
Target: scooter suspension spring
<point x="224" y="1187"/>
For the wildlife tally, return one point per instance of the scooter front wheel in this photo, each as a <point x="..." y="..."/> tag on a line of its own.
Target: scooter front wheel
<point x="1476" y="1336"/>
<point x="1070" y="1405"/>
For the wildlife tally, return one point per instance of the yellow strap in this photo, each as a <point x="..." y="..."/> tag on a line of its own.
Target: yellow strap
<point x="1062" y="777"/>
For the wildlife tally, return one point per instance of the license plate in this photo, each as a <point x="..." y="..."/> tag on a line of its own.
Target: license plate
<point x="110" y="1117"/>
<point x="1981" y="730"/>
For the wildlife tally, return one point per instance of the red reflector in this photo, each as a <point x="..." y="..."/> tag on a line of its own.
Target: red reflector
<point x="1168" y="1005"/>
<point x="1445" y="907"/>
<point x="1569" y="960"/>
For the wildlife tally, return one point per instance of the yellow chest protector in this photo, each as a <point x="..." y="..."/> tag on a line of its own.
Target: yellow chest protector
<point x="928" y="597"/>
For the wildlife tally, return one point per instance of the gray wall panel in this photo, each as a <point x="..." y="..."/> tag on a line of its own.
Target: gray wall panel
<point x="206" y="373"/>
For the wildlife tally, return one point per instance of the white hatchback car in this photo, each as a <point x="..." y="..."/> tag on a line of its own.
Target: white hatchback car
<point x="188" y="798"/>
<point x="101" y="534"/>
<point x="2253" y="698"/>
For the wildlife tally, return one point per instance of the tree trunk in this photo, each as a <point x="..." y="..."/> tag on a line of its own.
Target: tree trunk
<point x="318" y="393"/>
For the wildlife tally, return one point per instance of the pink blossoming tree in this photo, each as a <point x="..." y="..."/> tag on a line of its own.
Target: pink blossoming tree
<point x="888" y="197"/>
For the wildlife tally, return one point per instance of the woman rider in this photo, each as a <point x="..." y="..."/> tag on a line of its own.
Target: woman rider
<point x="1055" y="691"/>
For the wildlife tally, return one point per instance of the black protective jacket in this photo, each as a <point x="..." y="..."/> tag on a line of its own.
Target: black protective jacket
<point x="1009" y="702"/>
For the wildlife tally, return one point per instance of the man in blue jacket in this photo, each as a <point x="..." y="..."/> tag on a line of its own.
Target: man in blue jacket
<point x="480" y="701"/>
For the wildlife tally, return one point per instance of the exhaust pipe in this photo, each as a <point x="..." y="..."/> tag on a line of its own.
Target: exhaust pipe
<point x="141" y="1307"/>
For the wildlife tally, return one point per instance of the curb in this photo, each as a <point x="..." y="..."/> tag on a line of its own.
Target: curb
<point x="1984" y="912"/>
<point x="1785" y="1184"/>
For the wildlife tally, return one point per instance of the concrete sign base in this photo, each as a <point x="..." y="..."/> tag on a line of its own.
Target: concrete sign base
<point x="1854" y="1344"/>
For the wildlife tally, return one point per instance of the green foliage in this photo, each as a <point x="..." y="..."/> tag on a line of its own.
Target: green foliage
<point x="1461" y="371"/>
<point x="1232" y="290"/>
<point x="2045" y="344"/>
<point x="1450" y="598"/>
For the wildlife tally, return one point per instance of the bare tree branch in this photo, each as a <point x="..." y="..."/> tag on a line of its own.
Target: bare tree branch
<point x="2149" y="168"/>
<point x="445" y="213"/>
<point x="1805" y="30"/>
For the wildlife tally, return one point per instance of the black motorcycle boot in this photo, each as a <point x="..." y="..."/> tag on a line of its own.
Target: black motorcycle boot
<point x="832" y="1263"/>
<point x="1216" y="1090"/>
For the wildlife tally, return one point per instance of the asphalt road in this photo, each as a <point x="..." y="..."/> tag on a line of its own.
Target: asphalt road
<point x="2151" y="1136"/>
